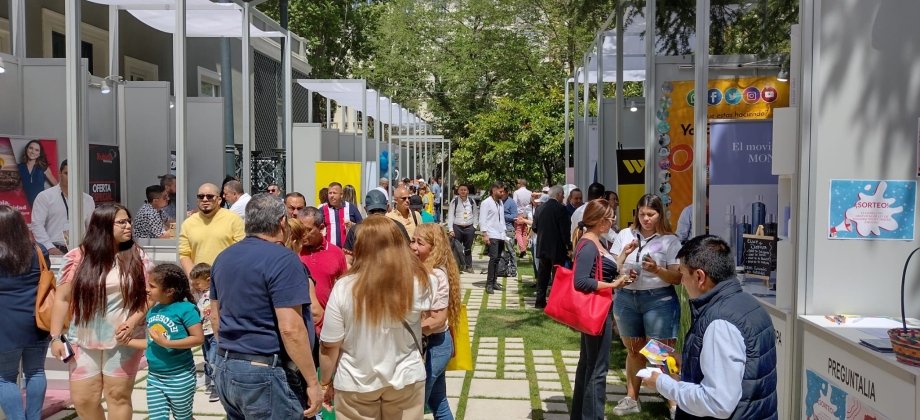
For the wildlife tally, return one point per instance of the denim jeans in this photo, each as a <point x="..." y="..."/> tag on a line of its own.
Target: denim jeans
<point x="209" y="350"/>
<point x="440" y="349"/>
<point x="589" y="388"/>
<point x="33" y="367"/>
<point x="252" y="391"/>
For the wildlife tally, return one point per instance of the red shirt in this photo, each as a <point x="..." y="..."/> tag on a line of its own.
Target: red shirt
<point x="326" y="264"/>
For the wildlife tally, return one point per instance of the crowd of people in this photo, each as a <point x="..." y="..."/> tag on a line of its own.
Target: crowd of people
<point x="353" y="308"/>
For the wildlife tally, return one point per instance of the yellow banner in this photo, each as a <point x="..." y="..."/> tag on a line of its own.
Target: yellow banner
<point x="728" y="99"/>
<point x="345" y="173"/>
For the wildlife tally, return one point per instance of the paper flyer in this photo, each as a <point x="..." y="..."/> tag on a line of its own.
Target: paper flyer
<point x="872" y="209"/>
<point x="656" y="352"/>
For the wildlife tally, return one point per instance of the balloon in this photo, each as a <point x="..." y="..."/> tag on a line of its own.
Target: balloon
<point x="384" y="161"/>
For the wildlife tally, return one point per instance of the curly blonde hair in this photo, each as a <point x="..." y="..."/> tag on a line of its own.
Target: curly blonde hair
<point x="441" y="257"/>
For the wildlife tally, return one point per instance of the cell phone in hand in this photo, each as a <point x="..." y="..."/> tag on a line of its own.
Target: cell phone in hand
<point x="68" y="350"/>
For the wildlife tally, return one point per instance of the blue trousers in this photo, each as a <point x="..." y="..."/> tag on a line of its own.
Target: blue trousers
<point x="172" y="392"/>
<point x="439" y="350"/>
<point x="33" y="367"/>
<point x="252" y="391"/>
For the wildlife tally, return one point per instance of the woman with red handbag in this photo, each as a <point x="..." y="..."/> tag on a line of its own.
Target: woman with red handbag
<point x="595" y="269"/>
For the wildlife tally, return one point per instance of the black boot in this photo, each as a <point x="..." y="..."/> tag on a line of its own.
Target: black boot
<point x="497" y="286"/>
<point x="490" y="286"/>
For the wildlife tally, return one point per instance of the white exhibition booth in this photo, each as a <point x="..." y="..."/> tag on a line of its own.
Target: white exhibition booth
<point x="847" y="145"/>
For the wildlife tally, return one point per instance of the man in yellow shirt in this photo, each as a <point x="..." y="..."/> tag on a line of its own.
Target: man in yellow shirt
<point x="209" y="231"/>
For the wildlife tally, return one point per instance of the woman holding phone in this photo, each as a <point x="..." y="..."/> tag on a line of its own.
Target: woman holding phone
<point x="647" y="308"/>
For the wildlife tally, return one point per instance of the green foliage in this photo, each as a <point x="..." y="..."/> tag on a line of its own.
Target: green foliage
<point x="522" y="137"/>
<point x="758" y="27"/>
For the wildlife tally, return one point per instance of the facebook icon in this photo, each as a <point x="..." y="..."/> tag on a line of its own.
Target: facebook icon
<point x="714" y="96"/>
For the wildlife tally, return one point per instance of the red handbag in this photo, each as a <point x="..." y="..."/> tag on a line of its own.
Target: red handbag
<point x="585" y="312"/>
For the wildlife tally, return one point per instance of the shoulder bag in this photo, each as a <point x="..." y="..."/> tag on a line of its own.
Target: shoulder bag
<point x="44" y="300"/>
<point x="585" y="312"/>
<point x="418" y="344"/>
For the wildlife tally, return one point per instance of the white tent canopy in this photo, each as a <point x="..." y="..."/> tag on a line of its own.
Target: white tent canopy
<point x="633" y="55"/>
<point x="348" y="93"/>
<point x="204" y="19"/>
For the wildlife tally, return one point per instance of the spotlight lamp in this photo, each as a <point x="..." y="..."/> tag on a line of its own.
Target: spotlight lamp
<point x="2" y="66"/>
<point x="632" y="106"/>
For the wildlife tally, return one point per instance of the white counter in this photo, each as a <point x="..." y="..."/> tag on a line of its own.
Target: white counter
<point x="847" y="377"/>
<point x="780" y="317"/>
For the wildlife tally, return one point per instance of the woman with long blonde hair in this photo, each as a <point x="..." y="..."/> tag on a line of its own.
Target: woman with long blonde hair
<point x="372" y="329"/>
<point x="433" y="249"/>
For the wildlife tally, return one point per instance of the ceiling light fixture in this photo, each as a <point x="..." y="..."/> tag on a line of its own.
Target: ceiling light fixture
<point x="172" y="104"/>
<point x="632" y="106"/>
<point x="104" y="87"/>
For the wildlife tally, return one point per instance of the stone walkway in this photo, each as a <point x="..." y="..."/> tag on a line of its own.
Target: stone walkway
<point x="500" y="384"/>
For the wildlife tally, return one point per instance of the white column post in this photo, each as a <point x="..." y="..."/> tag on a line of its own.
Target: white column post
<point x="289" y="112"/>
<point x="566" y="153"/>
<point x="18" y="29"/>
<point x="700" y="117"/>
<point x="76" y="165"/>
<point x="650" y="88"/>
<point x="621" y="98"/>
<point x="245" y="178"/>
<point x="600" y="110"/>
<point x="364" y="131"/>
<point x="180" y="92"/>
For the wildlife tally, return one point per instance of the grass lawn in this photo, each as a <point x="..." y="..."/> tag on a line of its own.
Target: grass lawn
<point x="542" y="333"/>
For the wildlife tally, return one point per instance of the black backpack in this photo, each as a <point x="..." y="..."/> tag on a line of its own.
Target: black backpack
<point x="507" y="265"/>
<point x="459" y="252"/>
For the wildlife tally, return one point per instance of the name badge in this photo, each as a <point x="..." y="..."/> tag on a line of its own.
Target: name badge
<point x="466" y="215"/>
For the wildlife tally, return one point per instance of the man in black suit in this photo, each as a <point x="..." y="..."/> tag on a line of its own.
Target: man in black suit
<point x="552" y="225"/>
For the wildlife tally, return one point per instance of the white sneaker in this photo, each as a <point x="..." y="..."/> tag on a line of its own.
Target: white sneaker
<point x="626" y="406"/>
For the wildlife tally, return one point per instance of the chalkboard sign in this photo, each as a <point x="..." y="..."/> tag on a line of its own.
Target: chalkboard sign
<point x="759" y="255"/>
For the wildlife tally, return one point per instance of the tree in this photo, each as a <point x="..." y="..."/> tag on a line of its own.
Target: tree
<point x="337" y="35"/>
<point x="521" y="138"/>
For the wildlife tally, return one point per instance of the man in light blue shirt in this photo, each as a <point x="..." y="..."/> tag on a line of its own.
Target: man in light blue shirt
<point x="685" y="221"/>
<point x="731" y="342"/>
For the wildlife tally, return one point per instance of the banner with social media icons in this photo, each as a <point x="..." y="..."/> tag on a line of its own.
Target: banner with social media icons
<point x="727" y="99"/>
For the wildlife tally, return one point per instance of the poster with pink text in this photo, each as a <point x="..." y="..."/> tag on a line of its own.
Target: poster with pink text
<point x="28" y="166"/>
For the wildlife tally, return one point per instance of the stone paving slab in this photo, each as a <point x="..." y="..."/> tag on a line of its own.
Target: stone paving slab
<point x="515" y="359"/>
<point x="500" y="388"/>
<point x="549" y="385"/>
<point x="515" y="375"/>
<point x="552" y="396"/>
<point x="515" y="368"/>
<point x="483" y="409"/>
<point x="514" y="352"/>
<point x="544" y="360"/>
<point x="486" y="366"/>
<point x="554" y="407"/>
<point x="545" y="368"/>
<point x="543" y="353"/>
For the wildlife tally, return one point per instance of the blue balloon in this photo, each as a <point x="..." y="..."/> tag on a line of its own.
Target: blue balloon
<point x="384" y="161"/>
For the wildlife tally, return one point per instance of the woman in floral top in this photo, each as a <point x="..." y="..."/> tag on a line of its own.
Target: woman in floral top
<point x="103" y="287"/>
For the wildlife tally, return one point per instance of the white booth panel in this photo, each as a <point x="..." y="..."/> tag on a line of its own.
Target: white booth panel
<point x="45" y="106"/>
<point x="329" y="149"/>
<point x="146" y="135"/>
<point x="306" y="143"/>
<point x="864" y="122"/>
<point x="347" y="143"/>
<point x="205" y="134"/>
<point x="100" y="116"/>
<point x="11" y="105"/>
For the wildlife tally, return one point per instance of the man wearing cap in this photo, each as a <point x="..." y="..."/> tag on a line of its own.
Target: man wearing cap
<point x="416" y="204"/>
<point x="375" y="204"/>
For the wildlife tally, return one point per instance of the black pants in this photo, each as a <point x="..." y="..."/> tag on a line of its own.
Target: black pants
<point x="544" y="277"/>
<point x="466" y="235"/>
<point x="589" y="388"/>
<point x="495" y="254"/>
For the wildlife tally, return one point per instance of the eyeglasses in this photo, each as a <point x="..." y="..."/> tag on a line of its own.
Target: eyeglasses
<point x="123" y="222"/>
<point x="208" y="197"/>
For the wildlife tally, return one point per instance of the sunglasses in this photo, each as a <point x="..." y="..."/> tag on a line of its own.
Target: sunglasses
<point x="208" y="197"/>
<point x="402" y="198"/>
<point x="271" y="190"/>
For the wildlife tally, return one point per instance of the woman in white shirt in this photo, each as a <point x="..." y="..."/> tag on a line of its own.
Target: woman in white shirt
<point x="433" y="249"/>
<point x="648" y="308"/>
<point x="372" y="329"/>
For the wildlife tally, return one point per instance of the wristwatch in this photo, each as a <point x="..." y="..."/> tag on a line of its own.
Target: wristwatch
<point x="55" y="338"/>
<point x="326" y="386"/>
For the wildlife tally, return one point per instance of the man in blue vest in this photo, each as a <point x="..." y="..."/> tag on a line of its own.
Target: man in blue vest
<point x="729" y="358"/>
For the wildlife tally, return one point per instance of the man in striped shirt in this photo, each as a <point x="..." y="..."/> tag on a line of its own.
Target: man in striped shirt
<point x="339" y="215"/>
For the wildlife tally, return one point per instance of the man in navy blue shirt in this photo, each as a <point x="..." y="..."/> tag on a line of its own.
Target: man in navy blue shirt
<point x="260" y="312"/>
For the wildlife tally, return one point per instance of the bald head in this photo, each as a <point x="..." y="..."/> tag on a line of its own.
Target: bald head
<point x="401" y="195"/>
<point x="208" y="199"/>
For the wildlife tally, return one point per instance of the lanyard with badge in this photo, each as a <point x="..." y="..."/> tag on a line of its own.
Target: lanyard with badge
<point x="642" y="245"/>
<point x="467" y="206"/>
